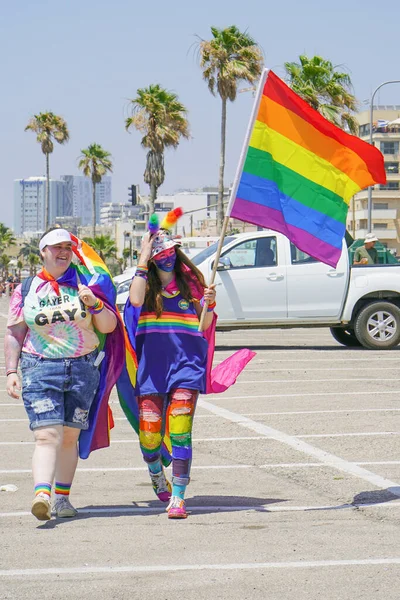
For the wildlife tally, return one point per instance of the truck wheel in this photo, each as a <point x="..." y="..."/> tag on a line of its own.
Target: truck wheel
<point x="377" y="326"/>
<point x="345" y="336"/>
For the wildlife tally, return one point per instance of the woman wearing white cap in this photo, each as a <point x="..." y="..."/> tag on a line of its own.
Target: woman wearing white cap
<point x="51" y="332"/>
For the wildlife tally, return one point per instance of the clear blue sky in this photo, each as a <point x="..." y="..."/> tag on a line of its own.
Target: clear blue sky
<point x="84" y="59"/>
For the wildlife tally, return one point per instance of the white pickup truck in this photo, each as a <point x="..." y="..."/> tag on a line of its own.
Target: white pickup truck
<point x="264" y="281"/>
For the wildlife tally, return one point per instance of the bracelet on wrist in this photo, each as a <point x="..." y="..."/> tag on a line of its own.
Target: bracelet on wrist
<point x="143" y="267"/>
<point x="10" y="372"/>
<point x="141" y="274"/>
<point x="97" y="307"/>
<point x="209" y="306"/>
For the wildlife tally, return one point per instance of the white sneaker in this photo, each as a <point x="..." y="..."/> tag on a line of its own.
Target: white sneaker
<point x="63" y="508"/>
<point x="41" y="508"/>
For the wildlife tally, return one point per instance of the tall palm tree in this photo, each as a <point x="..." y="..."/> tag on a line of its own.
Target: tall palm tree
<point x="104" y="246"/>
<point x="228" y="59"/>
<point x="48" y="127"/>
<point x="29" y="247"/>
<point x="327" y="90"/>
<point x="95" y="162"/>
<point x="161" y="118"/>
<point x="4" y="264"/>
<point x="6" y="237"/>
<point x="33" y="261"/>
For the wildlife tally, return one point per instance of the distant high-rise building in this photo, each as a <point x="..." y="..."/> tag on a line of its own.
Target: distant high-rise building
<point x="29" y="203"/>
<point x="79" y="189"/>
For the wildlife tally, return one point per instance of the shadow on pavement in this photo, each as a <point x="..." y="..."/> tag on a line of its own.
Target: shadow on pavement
<point x="266" y="346"/>
<point x="202" y="504"/>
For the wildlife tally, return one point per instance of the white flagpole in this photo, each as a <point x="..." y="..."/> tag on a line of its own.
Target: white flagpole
<point x="235" y="186"/>
<point x="245" y="146"/>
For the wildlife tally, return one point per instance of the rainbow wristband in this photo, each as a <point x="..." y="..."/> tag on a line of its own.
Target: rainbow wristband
<point x="141" y="274"/>
<point x="97" y="307"/>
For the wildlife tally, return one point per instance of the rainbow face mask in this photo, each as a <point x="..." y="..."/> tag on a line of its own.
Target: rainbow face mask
<point x="165" y="261"/>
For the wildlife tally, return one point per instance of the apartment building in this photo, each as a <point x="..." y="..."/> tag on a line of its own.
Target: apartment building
<point x="385" y="197"/>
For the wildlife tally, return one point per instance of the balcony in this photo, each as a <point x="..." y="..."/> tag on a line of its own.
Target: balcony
<point x="382" y="234"/>
<point x="385" y="214"/>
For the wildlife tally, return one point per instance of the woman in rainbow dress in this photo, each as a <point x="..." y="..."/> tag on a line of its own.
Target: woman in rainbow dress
<point x="168" y="294"/>
<point x="55" y="323"/>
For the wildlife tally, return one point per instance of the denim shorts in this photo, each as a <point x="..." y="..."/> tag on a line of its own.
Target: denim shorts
<point x="59" y="391"/>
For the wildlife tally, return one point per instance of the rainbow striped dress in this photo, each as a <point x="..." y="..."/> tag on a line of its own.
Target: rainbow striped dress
<point x="171" y="352"/>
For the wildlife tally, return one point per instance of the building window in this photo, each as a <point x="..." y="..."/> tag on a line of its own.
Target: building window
<point x="364" y="130"/>
<point x="390" y="147"/>
<point x="363" y="223"/>
<point x="392" y="167"/>
<point x="380" y="205"/>
<point x="390" y="185"/>
<point x="380" y="225"/>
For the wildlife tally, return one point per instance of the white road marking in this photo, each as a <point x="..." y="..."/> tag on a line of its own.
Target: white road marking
<point x="301" y="564"/>
<point x="324" y="369"/>
<point x="127" y="469"/>
<point x="312" y="381"/>
<point x="306" y="395"/>
<point x="334" y="435"/>
<point x="298" y="465"/>
<point x="241" y="438"/>
<point x="324" y="457"/>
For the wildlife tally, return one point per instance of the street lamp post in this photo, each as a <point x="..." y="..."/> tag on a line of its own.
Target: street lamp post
<point x="371" y="116"/>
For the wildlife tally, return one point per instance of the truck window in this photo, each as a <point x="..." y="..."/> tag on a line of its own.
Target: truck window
<point x="261" y="252"/>
<point x="298" y="257"/>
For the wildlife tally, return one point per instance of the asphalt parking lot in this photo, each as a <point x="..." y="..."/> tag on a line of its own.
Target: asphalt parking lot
<point x="295" y="489"/>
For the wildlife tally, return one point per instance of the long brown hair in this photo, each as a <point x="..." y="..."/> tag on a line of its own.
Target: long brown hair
<point x="153" y="298"/>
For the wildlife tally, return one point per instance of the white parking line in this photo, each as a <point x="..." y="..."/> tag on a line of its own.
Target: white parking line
<point x="127" y="469"/>
<point x="244" y="438"/>
<point x="324" y="457"/>
<point x="324" y="369"/>
<point x="259" y="566"/>
<point x="312" y="381"/>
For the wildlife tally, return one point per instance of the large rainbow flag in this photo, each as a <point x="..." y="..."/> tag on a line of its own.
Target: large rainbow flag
<point x="300" y="172"/>
<point x="93" y="272"/>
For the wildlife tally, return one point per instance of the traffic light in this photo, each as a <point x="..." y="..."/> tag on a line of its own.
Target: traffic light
<point x="135" y="254"/>
<point x="132" y="195"/>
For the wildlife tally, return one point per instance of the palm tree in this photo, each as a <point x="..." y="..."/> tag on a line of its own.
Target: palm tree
<point x="28" y="248"/>
<point x="4" y="263"/>
<point x="104" y="246"/>
<point x="20" y="266"/>
<point x="95" y="162"/>
<point x="327" y="90"/>
<point x="6" y="237"/>
<point x="33" y="261"/>
<point x="161" y="118"/>
<point x="228" y="59"/>
<point x="48" y="127"/>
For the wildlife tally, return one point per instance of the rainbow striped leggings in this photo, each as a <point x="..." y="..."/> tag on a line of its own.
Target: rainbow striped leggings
<point x="178" y="407"/>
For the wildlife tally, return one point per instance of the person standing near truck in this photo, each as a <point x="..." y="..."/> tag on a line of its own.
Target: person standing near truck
<point x="367" y="254"/>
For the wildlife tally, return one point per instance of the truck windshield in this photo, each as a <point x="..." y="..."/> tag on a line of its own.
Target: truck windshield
<point x="207" y="252"/>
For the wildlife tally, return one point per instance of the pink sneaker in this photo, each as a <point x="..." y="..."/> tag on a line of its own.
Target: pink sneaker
<point x="176" y="508"/>
<point x="161" y="486"/>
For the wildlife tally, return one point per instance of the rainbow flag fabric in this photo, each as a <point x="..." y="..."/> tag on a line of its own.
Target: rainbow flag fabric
<point x="93" y="272"/>
<point x="300" y="172"/>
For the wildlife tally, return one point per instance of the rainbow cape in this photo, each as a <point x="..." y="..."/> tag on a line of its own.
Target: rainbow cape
<point x="218" y="379"/>
<point x="93" y="272"/>
<point x="300" y="172"/>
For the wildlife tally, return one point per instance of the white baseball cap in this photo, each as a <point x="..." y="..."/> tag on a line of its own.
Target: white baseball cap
<point x="370" y="237"/>
<point x="55" y="236"/>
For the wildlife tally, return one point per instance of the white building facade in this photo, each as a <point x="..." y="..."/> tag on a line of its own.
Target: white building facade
<point x="79" y="191"/>
<point x="29" y="203"/>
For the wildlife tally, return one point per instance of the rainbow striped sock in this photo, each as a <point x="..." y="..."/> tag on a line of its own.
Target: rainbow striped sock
<point x="44" y="489"/>
<point x="62" y="489"/>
